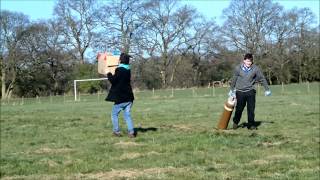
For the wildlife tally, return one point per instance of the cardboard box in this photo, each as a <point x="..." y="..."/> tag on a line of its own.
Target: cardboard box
<point x="107" y="63"/>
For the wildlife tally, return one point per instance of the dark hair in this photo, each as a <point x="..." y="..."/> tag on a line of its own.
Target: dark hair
<point x="248" y="56"/>
<point x="124" y="58"/>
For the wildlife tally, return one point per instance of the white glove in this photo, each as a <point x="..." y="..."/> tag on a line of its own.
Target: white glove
<point x="267" y="93"/>
<point x="232" y="93"/>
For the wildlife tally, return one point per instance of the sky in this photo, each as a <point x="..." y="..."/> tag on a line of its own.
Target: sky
<point x="38" y="9"/>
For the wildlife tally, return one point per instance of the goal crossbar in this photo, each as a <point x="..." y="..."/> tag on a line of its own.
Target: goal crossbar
<point x="80" y="80"/>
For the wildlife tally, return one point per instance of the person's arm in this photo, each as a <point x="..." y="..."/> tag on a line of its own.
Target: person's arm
<point x="232" y="92"/>
<point x="113" y="78"/>
<point x="261" y="79"/>
<point x="234" y="79"/>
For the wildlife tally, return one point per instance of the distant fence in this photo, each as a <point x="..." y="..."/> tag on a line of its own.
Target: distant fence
<point x="100" y="96"/>
<point x="219" y="83"/>
<point x="277" y="90"/>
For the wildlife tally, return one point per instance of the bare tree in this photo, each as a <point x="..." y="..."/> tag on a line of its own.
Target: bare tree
<point x="165" y="26"/>
<point x="12" y="31"/>
<point x="283" y="31"/>
<point x="120" y="23"/>
<point x="304" y="19"/>
<point x="59" y="61"/>
<point x="248" y="23"/>
<point x="78" y="20"/>
<point x="45" y="58"/>
<point x="204" y="45"/>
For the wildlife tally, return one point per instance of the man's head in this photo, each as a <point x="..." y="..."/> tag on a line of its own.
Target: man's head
<point x="248" y="59"/>
<point x="124" y="58"/>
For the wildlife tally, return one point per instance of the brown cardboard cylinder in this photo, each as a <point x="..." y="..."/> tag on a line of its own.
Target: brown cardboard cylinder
<point x="226" y="115"/>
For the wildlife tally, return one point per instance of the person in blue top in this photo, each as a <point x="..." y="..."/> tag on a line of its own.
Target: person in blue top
<point x="242" y="88"/>
<point x="121" y="94"/>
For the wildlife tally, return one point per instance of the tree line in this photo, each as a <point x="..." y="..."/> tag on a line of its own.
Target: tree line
<point x="172" y="44"/>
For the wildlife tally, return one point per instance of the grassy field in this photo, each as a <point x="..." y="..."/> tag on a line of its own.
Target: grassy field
<point x="57" y="138"/>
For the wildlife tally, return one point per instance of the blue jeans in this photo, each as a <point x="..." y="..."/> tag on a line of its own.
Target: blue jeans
<point x="126" y="107"/>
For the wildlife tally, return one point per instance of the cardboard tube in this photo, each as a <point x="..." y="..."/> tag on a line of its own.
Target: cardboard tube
<point x="226" y="114"/>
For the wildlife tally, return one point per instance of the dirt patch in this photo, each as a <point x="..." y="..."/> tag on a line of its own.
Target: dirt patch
<point x="131" y="174"/>
<point x="31" y="177"/>
<point x="294" y="104"/>
<point x="48" y="162"/>
<point x="153" y="153"/>
<point x="46" y="150"/>
<point x="259" y="162"/>
<point x="127" y="144"/>
<point x="130" y="156"/>
<point x="183" y="127"/>
<point x="137" y="155"/>
<point x="271" y="144"/>
<point x="281" y="157"/>
<point x="224" y="131"/>
<point x="271" y="159"/>
<point x="178" y="127"/>
<point x="113" y="174"/>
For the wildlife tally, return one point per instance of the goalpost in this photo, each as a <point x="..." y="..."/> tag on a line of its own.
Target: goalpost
<point x="107" y="62"/>
<point x="81" y="80"/>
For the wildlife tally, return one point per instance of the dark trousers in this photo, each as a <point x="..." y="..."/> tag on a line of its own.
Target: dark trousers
<point x="244" y="98"/>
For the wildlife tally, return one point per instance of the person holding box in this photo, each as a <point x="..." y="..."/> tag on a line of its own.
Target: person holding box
<point x="121" y="94"/>
<point x="242" y="88"/>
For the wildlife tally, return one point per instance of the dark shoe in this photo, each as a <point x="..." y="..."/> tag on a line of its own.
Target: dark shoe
<point x="131" y="135"/>
<point x="235" y="126"/>
<point x="116" y="134"/>
<point x="252" y="128"/>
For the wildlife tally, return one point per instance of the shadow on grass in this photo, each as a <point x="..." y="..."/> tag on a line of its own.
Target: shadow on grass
<point x="143" y="130"/>
<point x="256" y="124"/>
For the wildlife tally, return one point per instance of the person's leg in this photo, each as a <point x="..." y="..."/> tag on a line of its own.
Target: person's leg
<point x="114" y="117"/>
<point x="251" y="100"/>
<point x="127" y="117"/>
<point x="241" y="103"/>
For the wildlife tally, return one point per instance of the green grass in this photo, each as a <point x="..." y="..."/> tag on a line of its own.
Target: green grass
<point x="56" y="138"/>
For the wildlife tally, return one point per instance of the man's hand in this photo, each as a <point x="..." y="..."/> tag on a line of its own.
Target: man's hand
<point x="267" y="93"/>
<point x="232" y="93"/>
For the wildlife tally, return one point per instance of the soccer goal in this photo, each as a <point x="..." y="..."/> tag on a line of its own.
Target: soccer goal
<point x="81" y="80"/>
<point x="107" y="63"/>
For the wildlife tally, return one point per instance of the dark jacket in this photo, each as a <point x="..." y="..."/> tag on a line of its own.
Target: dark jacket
<point x="121" y="90"/>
